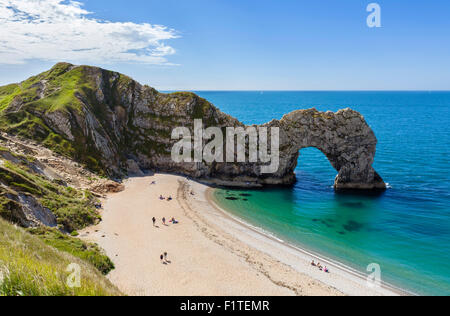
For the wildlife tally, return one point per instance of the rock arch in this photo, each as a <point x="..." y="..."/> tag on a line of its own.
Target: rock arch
<point x="343" y="137"/>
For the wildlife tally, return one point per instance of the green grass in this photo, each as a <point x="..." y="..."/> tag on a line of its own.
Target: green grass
<point x="17" y="181"/>
<point x="9" y="89"/>
<point x="74" y="246"/>
<point x="30" y="267"/>
<point x="7" y="95"/>
<point x="62" y="91"/>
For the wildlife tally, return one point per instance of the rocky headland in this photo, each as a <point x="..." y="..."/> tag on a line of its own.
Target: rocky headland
<point x="115" y="127"/>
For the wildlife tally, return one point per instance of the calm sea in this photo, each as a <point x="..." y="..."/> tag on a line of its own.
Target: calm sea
<point x="406" y="230"/>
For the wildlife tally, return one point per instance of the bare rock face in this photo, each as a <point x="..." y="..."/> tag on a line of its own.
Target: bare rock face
<point x="28" y="212"/>
<point x="121" y="127"/>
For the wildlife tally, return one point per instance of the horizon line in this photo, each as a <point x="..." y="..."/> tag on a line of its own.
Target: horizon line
<point x="310" y="90"/>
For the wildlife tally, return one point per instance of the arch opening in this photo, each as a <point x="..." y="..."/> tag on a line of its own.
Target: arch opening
<point x="314" y="169"/>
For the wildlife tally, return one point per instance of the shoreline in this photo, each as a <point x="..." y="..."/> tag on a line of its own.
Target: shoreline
<point x="211" y="253"/>
<point x="306" y="252"/>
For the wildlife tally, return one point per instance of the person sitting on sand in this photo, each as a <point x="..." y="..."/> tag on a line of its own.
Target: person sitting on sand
<point x="313" y="263"/>
<point x="174" y="221"/>
<point x="169" y="198"/>
<point x="162" y="197"/>
<point x="326" y="270"/>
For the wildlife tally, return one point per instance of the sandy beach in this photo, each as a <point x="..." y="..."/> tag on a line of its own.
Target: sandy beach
<point x="209" y="252"/>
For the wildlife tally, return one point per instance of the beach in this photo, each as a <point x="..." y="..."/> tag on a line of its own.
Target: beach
<point x="209" y="252"/>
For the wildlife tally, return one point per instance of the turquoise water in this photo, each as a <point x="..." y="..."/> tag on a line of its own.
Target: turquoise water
<point x="406" y="230"/>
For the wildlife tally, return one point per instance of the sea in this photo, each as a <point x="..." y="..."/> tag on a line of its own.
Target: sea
<point x="405" y="231"/>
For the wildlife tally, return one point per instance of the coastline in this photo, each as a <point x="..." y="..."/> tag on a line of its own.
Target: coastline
<point x="211" y="252"/>
<point x="307" y="256"/>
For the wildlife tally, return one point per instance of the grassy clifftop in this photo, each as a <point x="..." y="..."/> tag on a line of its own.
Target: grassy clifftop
<point x="26" y="109"/>
<point x="100" y="118"/>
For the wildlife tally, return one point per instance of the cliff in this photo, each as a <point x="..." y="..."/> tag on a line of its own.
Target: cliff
<point x="115" y="126"/>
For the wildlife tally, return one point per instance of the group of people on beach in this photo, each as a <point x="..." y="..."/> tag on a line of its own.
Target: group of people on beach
<point x="321" y="268"/>
<point x="173" y="221"/>
<point x="163" y="257"/>
<point x="162" y="198"/>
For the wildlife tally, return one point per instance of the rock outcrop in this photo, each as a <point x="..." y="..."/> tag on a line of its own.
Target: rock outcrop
<point x="116" y="126"/>
<point x="25" y="210"/>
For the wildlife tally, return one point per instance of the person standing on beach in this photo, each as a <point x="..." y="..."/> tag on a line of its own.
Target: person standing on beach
<point x="154" y="221"/>
<point x="165" y="256"/>
<point x="161" y="258"/>
<point x="164" y="220"/>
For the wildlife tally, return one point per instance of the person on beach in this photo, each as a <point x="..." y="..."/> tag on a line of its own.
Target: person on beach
<point x="164" y="220"/>
<point x="165" y="256"/>
<point x="169" y="198"/>
<point x="154" y="221"/>
<point x="174" y="221"/>
<point x="162" y="258"/>
<point x="162" y="197"/>
<point x="326" y="270"/>
<point x="313" y="263"/>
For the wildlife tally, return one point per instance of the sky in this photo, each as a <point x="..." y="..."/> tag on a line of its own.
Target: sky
<point x="234" y="44"/>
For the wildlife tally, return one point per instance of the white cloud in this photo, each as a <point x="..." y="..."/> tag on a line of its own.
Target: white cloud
<point x="58" y="30"/>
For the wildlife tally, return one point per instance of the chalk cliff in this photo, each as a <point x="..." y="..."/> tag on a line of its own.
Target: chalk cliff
<point x="115" y="126"/>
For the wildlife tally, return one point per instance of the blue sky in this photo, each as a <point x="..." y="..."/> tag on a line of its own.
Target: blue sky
<point x="237" y="44"/>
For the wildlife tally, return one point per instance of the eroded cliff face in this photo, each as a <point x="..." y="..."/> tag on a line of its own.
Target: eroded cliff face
<point x="116" y="126"/>
<point x="40" y="188"/>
